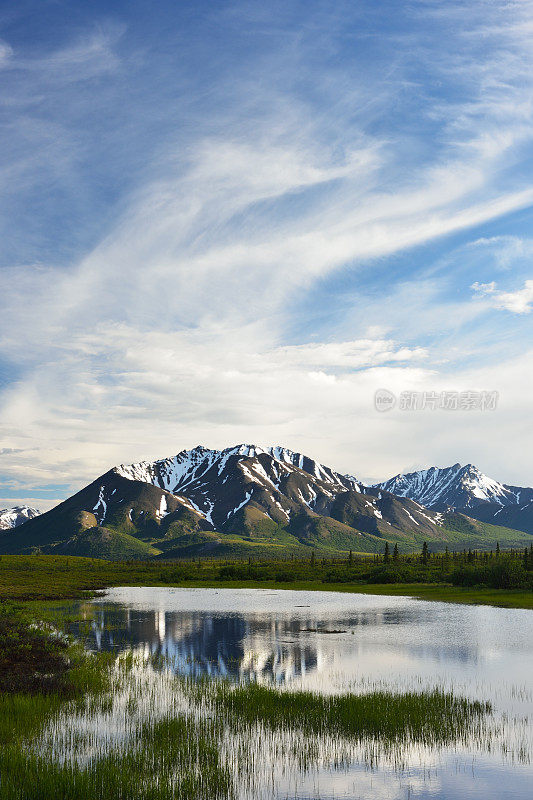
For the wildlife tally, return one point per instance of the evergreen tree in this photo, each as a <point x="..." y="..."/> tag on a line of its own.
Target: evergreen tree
<point x="497" y="548"/>
<point x="350" y="559"/>
<point x="313" y="560"/>
<point x="425" y="553"/>
<point x="395" y="553"/>
<point x="386" y="554"/>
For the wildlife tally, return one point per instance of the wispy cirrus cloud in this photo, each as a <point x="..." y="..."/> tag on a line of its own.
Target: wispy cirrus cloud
<point x="204" y="217"/>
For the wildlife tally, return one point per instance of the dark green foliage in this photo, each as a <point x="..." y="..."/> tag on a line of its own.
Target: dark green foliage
<point x="32" y="659"/>
<point x="57" y="577"/>
<point x="284" y="576"/>
<point x="401" y="573"/>
<point x="504" y="574"/>
<point x="36" y="660"/>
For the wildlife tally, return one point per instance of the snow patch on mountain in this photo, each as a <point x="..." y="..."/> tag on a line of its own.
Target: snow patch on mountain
<point x="455" y="487"/>
<point x="18" y="515"/>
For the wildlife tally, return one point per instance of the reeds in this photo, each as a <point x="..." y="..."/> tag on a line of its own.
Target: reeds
<point x="173" y="759"/>
<point x="432" y="718"/>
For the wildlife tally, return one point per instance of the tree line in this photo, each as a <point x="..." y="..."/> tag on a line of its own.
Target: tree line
<point x="512" y="569"/>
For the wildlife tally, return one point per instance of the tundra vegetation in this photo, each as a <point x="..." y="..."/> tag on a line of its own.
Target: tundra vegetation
<point x="55" y="697"/>
<point x="492" y="577"/>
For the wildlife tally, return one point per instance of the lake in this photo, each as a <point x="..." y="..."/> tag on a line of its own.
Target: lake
<point x="332" y="643"/>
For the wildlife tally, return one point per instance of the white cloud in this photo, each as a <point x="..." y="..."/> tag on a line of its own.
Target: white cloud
<point x="349" y="355"/>
<point x="6" y="52"/>
<point x="484" y="288"/>
<point x="506" y="250"/>
<point x="519" y="302"/>
<point x="174" y="327"/>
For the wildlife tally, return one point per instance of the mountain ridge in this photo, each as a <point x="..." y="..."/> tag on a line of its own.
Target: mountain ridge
<point x="243" y="499"/>
<point x="466" y="489"/>
<point x="16" y="515"/>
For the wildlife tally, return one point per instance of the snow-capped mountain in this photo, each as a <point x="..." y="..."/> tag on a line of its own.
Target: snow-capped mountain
<point x="270" y="496"/>
<point x="13" y="517"/>
<point x="467" y="489"/>
<point x="218" y="483"/>
<point x="450" y="487"/>
<point x="245" y="498"/>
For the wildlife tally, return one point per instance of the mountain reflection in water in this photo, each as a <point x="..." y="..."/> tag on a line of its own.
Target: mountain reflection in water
<point x="199" y="644"/>
<point x="268" y="646"/>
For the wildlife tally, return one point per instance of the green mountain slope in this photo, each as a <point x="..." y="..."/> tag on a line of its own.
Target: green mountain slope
<point x="242" y="501"/>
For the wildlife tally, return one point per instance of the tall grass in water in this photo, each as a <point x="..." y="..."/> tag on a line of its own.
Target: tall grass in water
<point x="126" y="728"/>
<point x="430" y="718"/>
<point x="173" y="759"/>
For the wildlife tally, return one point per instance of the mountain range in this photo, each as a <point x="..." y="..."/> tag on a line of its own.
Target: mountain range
<point x="466" y="489"/>
<point x="13" y="517"/>
<point x="248" y="500"/>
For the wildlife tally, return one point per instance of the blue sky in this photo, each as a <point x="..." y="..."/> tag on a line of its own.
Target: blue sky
<point x="226" y="222"/>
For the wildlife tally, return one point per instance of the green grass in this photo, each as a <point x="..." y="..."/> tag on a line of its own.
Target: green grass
<point x="61" y="577"/>
<point x="433" y="718"/>
<point x="173" y="759"/>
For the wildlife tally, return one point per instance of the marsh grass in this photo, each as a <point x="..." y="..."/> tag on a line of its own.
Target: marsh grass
<point x="172" y="758"/>
<point x="126" y="727"/>
<point x="154" y="736"/>
<point x="431" y="718"/>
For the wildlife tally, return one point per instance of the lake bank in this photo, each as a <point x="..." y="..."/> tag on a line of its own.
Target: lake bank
<point x="240" y="683"/>
<point x="34" y="578"/>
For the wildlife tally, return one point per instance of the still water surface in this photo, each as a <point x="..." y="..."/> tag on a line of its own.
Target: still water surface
<point x="334" y="642"/>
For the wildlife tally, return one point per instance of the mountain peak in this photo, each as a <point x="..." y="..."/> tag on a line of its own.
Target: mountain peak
<point x="456" y="487"/>
<point x="205" y="476"/>
<point x="18" y="515"/>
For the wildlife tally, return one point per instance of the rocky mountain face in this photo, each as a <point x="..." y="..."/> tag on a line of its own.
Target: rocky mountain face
<point x="13" y="517"/>
<point x="466" y="489"/>
<point x="217" y="484"/>
<point x="244" y="499"/>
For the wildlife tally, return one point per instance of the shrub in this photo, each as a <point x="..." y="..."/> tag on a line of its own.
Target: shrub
<point x="181" y="573"/>
<point x="504" y="574"/>
<point x="284" y="576"/>
<point x="470" y="576"/>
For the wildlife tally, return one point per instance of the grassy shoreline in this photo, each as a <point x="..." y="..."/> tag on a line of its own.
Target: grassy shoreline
<point x="187" y="750"/>
<point x="444" y="593"/>
<point x="47" y="578"/>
